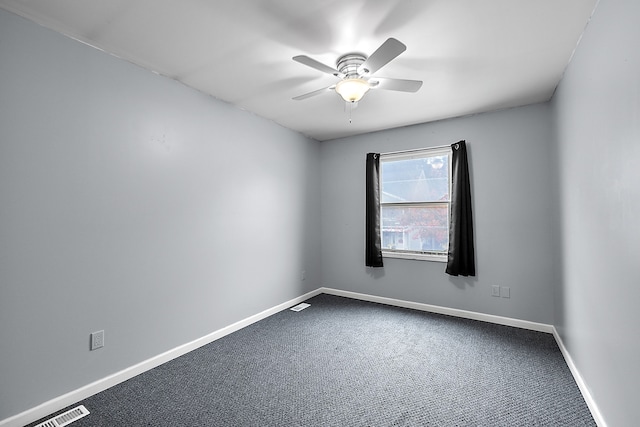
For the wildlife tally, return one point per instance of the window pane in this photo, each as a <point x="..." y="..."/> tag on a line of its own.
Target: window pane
<point x="417" y="228"/>
<point x="415" y="180"/>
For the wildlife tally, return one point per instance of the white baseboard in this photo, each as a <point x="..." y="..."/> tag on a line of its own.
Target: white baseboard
<point x="586" y="394"/>
<point x="507" y="321"/>
<point x="74" y="396"/>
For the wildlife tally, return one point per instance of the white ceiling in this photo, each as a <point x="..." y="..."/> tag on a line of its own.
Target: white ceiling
<point x="473" y="55"/>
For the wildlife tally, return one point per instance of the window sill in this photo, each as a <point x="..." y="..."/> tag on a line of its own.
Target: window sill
<point x="414" y="256"/>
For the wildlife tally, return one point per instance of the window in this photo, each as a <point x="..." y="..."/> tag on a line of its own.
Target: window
<point x="415" y="204"/>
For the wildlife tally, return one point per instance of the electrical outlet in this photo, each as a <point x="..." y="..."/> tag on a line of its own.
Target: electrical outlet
<point x="97" y="340"/>
<point x="505" y="292"/>
<point x="495" y="291"/>
<point x="303" y="275"/>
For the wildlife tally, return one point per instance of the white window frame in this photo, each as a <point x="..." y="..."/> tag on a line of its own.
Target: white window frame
<point x="408" y="155"/>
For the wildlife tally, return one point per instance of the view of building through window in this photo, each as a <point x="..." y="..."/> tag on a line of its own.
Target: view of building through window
<point x="414" y="201"/>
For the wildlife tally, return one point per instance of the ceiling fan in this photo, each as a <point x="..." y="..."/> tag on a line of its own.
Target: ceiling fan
<point x="356" y="70"/>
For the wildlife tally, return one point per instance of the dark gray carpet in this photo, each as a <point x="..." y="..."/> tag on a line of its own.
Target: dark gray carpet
<point x="343" y="362"/>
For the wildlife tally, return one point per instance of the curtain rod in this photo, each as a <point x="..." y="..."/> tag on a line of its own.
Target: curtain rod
<point x="419" y="149"/>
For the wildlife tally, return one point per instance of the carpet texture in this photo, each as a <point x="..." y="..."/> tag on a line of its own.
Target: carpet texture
<point x="344" y="362"/>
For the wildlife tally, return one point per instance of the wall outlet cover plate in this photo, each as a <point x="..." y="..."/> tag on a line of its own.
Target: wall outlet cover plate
<point x="97" y="340"/>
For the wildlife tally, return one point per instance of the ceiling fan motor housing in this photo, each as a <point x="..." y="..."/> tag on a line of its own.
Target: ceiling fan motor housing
<point x="348" y="64"/>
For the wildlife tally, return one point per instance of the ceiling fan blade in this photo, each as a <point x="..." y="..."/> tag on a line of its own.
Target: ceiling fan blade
<point x="314" y="93"/>
<point x="395" y="84"/>
<point x="382" y="56"/>
<point x="310" y="62"/>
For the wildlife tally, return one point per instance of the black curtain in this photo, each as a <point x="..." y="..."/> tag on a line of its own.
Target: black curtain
<point x="373" y="245"/>
<point x="461" y="260"/>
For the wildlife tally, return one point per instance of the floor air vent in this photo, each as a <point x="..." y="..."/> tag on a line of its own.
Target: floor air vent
<point x="66" y="418"/>
<point x="300" y="306"/>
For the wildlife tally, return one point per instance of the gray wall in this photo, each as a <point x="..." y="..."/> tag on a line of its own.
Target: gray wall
<point x="511" y="170"/>
<point x="597" y="109"/>
<point x="133" y="204"/>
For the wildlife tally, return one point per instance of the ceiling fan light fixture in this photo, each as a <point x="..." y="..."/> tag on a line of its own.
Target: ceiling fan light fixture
<point x="352" y="90"/>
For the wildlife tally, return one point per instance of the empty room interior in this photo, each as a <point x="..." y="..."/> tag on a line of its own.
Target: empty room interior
<point x="175" y="174"/>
